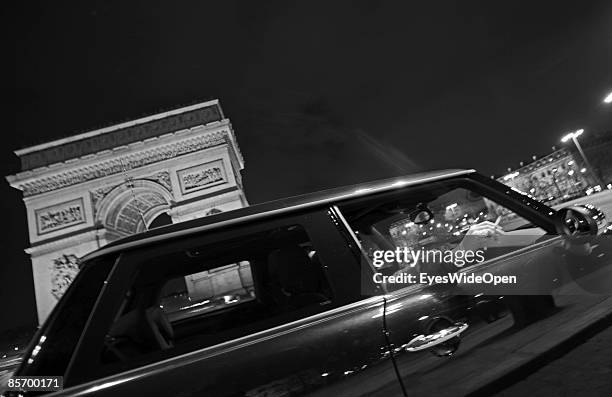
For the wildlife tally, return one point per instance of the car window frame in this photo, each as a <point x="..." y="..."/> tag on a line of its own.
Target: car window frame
<point x="535" y="212"/>
<point x="538" y="213"/>
<point x="319" y="228"/>
<point x="366" y="267"/>
<point x="532" y="210"/>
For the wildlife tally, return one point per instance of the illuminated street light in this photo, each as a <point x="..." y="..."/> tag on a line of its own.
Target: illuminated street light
<point x="608" y="99"/>
<point x="573" y="136"/>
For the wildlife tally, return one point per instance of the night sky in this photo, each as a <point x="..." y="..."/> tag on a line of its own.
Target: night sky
<point x="319" y="94"/>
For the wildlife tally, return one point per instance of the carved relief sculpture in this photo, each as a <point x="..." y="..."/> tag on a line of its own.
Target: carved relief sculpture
<point x="202" y="176"/>
<point x="60" y="216"/>
<point x="64" y="269"/>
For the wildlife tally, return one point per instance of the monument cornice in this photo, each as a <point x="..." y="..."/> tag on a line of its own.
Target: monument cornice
<point x="134" y="156"/>
<point x="119" y="135"/>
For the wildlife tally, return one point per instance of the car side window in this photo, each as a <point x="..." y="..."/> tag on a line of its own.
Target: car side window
<point x="457" y="217"/>
<point x="209" y="294"/>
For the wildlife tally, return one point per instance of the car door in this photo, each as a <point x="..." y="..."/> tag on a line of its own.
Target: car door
<point x="454" y="338"/>
<point x="238" y="341"/>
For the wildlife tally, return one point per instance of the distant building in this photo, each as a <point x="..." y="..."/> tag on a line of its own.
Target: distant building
<point x="87" y="190"/>
<point x="598" y="149"/>
<point x="554" y="178"/>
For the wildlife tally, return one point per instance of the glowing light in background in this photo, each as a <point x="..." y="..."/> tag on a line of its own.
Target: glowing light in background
<point x="571" y="135"/>
<point x="511" y="175"/>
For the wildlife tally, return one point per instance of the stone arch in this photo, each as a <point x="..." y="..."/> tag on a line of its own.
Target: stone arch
<point x="122" y="210"/>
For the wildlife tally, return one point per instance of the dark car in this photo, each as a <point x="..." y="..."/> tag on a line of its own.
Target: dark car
<point x="289" y="298"/>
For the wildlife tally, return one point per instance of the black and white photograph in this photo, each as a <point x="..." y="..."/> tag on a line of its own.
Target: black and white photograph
<point x="308" y="198"/>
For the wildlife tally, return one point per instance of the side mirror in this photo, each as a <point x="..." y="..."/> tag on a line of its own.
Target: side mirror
<point x="581" y="222"/>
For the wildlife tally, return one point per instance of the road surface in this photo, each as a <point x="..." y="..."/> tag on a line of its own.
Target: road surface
<point x="584" y="371"/>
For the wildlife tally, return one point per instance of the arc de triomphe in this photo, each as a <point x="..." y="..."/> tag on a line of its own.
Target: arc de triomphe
<point x="87" y="190"/>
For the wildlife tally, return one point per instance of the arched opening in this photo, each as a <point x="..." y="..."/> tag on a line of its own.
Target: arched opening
<point x="130" y="209"/>
<point x="162" y="219"/>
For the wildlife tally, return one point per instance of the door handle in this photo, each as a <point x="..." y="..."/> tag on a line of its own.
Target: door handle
<point x="423" y="342"/>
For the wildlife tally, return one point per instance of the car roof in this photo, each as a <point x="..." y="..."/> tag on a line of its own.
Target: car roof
<point x="272" y="208"/>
